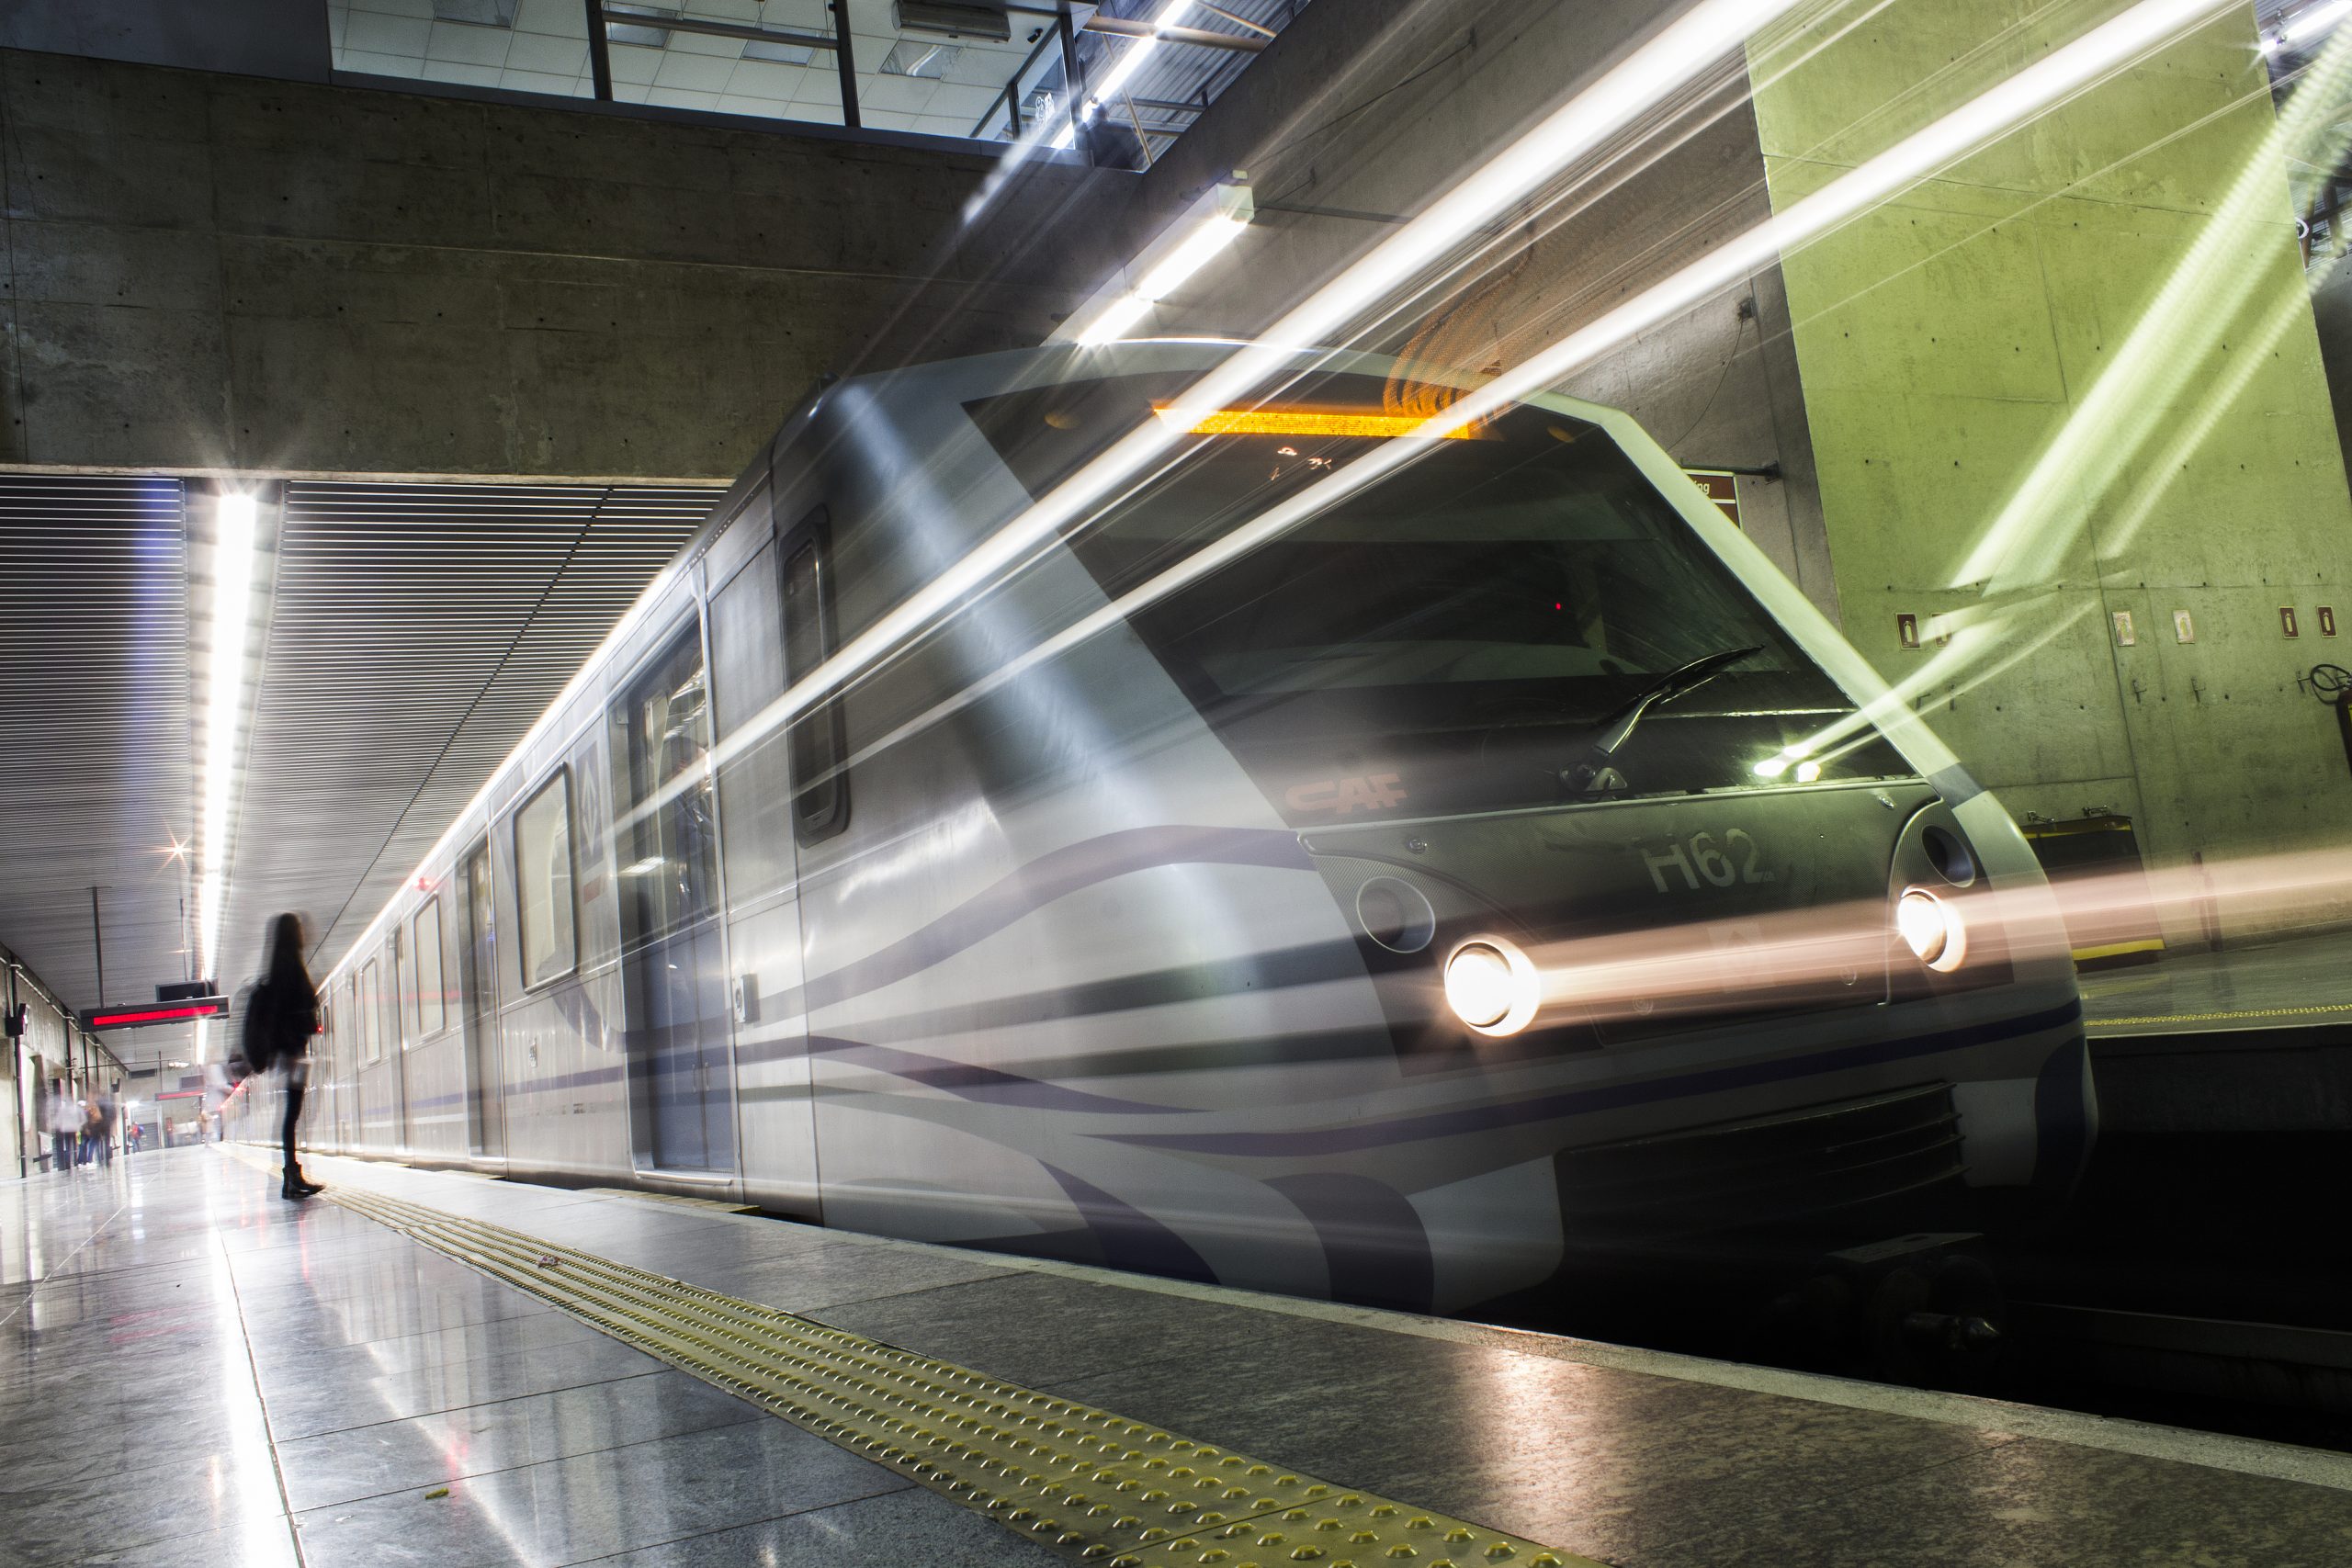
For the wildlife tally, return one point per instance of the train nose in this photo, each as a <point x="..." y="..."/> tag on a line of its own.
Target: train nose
<point x="1583" y="927"/>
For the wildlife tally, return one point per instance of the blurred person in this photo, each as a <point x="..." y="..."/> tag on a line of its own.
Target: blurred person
<point x="87" y="1152"/>
<point x="110" y="1109"/>
<point x="64" y="1127"/>
<point x="282" y="1015"/>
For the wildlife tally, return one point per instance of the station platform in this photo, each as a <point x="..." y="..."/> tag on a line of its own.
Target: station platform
<point x="437" y="1368"/>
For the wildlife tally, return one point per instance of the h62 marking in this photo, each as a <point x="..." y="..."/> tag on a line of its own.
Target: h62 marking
<point x="1698" y="857"/>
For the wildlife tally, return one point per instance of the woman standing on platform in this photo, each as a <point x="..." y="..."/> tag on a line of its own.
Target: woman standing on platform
<point x="280" y="1017"/>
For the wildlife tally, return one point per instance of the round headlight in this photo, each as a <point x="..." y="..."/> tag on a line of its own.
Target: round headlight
<point x="1395" y="914"/>
<point x="1492" y="986"/>
<point x="1932" y="928"/>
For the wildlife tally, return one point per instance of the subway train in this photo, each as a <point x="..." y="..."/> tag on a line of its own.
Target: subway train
<point x="1499" y="857"/>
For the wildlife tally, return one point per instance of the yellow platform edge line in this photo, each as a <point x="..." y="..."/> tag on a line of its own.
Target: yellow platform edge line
<point x="1089" y="1483"/>
<point x="2221" y="1017"/>
<point x="2116" y="949"/>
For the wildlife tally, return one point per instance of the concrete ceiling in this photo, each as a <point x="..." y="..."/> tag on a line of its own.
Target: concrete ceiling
<point x="94" y="728"/>
<point x="402" y="638"/>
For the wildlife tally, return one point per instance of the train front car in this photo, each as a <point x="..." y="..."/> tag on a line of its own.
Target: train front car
<point x="1497" y="866"/>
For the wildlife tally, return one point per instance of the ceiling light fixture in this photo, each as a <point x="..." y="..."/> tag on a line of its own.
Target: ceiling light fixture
<point x="1131" y="61"/>
<point x="235" y="520"/>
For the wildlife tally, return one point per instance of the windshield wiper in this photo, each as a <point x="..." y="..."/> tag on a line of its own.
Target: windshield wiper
<point x="1619" y="725"/>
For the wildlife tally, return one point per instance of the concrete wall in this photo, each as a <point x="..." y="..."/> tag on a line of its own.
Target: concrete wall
<point x="209" y="271"/>
<point x="258" y="38"/>
<point x="2078" y="375"/>
<point x="52" y="1046"/>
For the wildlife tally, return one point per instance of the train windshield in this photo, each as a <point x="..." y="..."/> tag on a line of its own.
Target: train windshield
<point x="1457" y="635"/>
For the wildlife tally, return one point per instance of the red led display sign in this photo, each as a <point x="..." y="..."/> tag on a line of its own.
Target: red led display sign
<point x="135" y="1015"/>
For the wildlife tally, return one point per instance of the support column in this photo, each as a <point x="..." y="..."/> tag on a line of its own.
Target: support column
<point x="2073" y="378"/>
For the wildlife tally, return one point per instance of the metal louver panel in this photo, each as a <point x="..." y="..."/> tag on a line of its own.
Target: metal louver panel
<point x="93" y="727"/>
<point x="416" y="633"/>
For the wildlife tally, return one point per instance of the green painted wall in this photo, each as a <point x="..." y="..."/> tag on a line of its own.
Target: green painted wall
<point x="1954" y="347"/>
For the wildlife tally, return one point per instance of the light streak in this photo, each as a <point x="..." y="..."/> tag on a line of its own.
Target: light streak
<point x="1644" y="79"/>
<point x="1672" y="59"/>
<point x="2315" y="21"/>
<point x="1992" y="113"/>
<point x="2166" y="350"/>
<point x="1830" y="955"/>
<point x="1676" y="55"/>
<point x="1968" y="663"/>
<point x="1998" y="110"/>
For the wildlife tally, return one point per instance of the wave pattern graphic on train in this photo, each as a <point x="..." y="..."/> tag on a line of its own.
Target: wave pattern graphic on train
<point x="1237" y="939"/>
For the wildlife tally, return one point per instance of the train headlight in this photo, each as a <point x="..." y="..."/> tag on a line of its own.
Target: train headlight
<point x="1492" y="986"/>
<point x="1931" y="928"/>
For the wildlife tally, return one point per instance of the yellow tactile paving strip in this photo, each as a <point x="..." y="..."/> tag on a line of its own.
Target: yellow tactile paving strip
<point x="1091" y="1484"/>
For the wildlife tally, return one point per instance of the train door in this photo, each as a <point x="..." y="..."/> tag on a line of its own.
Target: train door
<point x="759" y="878"/>
<point x="478" y="978"/>
<point x="674" y="965"/>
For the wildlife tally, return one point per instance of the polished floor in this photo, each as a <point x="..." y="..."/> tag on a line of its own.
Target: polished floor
<point x="197" y="1372"/>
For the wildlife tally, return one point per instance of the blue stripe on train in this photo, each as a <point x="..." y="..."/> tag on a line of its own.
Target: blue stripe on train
<point x="989" y="1085"/>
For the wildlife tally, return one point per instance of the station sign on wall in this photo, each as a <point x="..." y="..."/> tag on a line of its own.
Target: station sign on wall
<point x="1719" y="486"/>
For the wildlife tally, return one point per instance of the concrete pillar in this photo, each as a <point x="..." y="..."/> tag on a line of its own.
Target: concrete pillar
<point x="2074" y="378"/>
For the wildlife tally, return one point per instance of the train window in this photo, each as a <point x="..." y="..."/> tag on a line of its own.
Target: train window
<point x="816" y="740"/>
<point x="404" y="979"/>
<point x="662" y="734"/>
<point x="543" y="883"/>
<point x="1450" y="637"/>
<point x="431" y="1012"/>
<point x="371" y="1023"/>
<point x="747" y="674"/>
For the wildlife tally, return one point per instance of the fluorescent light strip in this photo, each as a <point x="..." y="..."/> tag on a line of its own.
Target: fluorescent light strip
<point x="234" y="524"/>
<point x="234" y="517"/>
<point x="1194" y="252"/>
<point x="1139" y="49"/>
